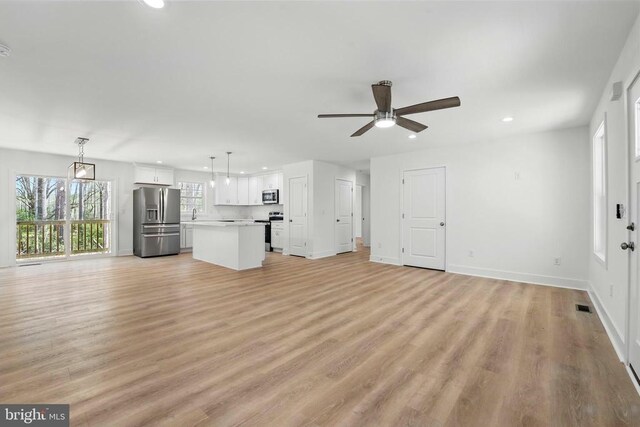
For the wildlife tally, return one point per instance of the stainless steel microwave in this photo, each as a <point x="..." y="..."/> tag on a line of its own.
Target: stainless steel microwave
<point x="270" y="197"/>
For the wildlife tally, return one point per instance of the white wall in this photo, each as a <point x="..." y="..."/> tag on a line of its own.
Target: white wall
<point x="515" y="224"/>
<point x="609" y="284"/>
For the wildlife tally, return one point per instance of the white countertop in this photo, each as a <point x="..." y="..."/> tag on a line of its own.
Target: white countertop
<point x="236" y="223"/>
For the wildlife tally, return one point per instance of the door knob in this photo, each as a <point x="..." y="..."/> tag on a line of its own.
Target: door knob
<point x="631" y="227"/>
<point x="290" y="220"/>
<point x="442" y="224"/>
<point x="626" y="246"/>
<point x="337" y="220"/>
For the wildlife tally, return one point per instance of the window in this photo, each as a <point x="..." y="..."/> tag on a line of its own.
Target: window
<point x="52" y="223"/>
<point x="191" y="196"/>
<point x="600" y="194"/>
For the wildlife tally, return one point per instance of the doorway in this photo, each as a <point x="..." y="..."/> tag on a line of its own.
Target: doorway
<point x="298" y="216"/>
<point x="423" y="218"/>
<point x="344" y="216"/>
<point x="633" y="99"/>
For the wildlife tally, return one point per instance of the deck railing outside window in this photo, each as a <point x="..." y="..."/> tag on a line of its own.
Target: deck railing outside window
<point x="46" y="238"/>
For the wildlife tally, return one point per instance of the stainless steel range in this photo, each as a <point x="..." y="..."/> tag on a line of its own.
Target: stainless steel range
<point x="273" y="216"/>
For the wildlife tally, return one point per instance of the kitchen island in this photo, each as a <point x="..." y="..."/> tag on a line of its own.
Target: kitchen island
<point x="238" y="245"/>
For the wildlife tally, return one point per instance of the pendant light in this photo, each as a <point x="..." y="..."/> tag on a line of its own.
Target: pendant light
<point x="80" y="169"/>
<point x="213" y="178"/>
<point x="228" y="180"/>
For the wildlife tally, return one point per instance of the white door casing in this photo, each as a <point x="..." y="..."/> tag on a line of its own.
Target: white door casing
<point x="344" y="216"/>
<point x="298" y="216"/>
<point x="633" y="97"/>
<point x="423" y="218"/>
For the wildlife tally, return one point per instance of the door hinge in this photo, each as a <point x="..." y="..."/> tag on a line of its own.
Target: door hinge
<point x="403" y="180"/>
<point x="352" y="239"/>
<point x="402" y="250"/>
<point x="305" y="243"/>
<point x="402" y="216"/>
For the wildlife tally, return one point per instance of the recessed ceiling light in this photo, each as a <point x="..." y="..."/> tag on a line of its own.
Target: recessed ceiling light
<point x="412" y="136"/>
<point x="159" y="162"/>
<point x="206" y="167"/>
<point x="507" y="119"/>
<point x="264" y="168"/>
<point x="156" y="4"/>
<point x="4" y="50"/>
<point x="242" y="172"/>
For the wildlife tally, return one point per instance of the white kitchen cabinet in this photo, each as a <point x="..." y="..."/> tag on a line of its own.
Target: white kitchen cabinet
<point x="255" y="192"/>
<point x="226" y="194"/>
<point x="153" y="175"/>
<point x="277" y="235"/>
<point x="270" y="182"/>
<point x="186" y="236"/>
<point x="243" y="191"/>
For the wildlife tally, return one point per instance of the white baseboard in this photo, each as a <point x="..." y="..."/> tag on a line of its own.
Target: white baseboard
<point x="535" y="279"/>
<point x="323" y="254"/>
<point x="384" y="260"/>
<point x="616" y="338"/>
<point x="125" y="252"/>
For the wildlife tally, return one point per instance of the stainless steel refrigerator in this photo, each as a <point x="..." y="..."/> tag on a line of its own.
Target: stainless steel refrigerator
<point x="156" y="221"/>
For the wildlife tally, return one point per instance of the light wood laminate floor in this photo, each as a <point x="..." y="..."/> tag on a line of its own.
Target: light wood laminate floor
<point x="338" y="341"/>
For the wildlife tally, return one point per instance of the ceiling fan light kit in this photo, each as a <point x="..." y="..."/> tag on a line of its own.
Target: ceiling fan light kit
<point x="386" y="116"/>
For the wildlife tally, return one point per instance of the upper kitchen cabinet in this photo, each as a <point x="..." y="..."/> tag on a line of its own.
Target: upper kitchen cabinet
<point x="243" y="191"/>
<point x="153" y="175"/>
<point x="255" y="190"/>
<point x="226" y="194"/>
<point x="270" y="182"/>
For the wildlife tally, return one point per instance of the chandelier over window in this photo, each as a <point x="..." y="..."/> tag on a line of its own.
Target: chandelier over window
<point x="80" y="169"/>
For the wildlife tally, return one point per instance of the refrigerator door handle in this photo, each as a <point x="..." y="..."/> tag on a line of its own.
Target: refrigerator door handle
<point x="161" y="206"/>
<point x="161" y="235"/>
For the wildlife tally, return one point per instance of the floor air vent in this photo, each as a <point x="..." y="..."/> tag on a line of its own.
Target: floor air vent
<point x="585" y="308"/>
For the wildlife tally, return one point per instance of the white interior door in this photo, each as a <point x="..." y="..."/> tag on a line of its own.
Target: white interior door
<point x="344" y="216"/>
<point x="298" y="216"/>
<point x="634" y="277"/>
<point x="423" y="218"/>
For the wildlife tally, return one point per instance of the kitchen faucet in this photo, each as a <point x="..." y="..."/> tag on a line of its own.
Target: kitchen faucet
<point x="194" y="214"/>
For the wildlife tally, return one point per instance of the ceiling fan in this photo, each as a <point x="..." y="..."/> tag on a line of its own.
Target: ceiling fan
<point x="385" y="116"/>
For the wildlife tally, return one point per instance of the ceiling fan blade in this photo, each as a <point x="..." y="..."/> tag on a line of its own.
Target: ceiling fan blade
<point x="438" y="104"/>
<point x="410" y="124"/>
<point x="382" y="95"/>
<point x="328" y="116"/>
<point x="364" y="128"/>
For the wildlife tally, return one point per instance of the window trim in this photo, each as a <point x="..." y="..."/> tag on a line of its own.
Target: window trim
<point x="600" y="135"/>
<point x="204" y="195"/>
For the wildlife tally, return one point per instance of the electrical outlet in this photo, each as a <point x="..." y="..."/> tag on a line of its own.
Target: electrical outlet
<point x="557" y="261"/>
<point x="516" y="176"/>
<point x="471" y="254"/>
<point x="611" y="290"/>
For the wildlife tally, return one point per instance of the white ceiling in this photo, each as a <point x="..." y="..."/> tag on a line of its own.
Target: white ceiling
<point x="202" y="78"/>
